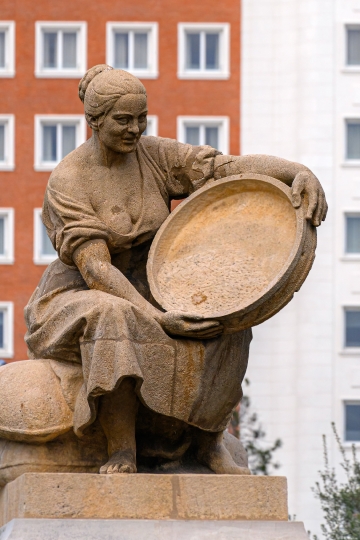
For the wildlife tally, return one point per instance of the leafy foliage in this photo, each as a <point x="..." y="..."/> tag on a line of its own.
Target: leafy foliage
<point x="340" y="502"/>
<point x="246" y="426"/>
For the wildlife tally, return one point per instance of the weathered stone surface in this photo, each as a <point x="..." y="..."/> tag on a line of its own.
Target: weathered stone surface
<point x="64" y="529"/>
<point x="145" y="496"/>
<point x="247" y="231"/>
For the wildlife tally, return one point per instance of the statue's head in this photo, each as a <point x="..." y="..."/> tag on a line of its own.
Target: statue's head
<point x="115" y="106"/>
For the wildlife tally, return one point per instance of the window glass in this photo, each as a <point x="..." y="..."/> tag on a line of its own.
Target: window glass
<point x="353" y="234"/>
<point x="212" y="136"/>
<point x="2" y="330"/>
<point x="68" y="140"/>
<point x="69" y="50"/>
<point x="353" y="140"/>
<point x="2" y="142"/>
<point x="353" y="46"/>
<point x="50" y="49"/>
<point x="352" y="421"/>
<point x="140" y="50"/>
<point x="46" y="245"/>
<point x="2" y="49"/>
<point x="2" y="236"/>
<point x="352" y="328"/>
<point x="192" y="51"/>
<point x="49" y="143"/>
<point x="212" y="51"/>
<point x="121" y="56"/>
<point x="192" y="135"/>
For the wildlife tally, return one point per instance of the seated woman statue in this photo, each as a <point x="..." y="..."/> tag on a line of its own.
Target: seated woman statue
<point x="103" y="205"/>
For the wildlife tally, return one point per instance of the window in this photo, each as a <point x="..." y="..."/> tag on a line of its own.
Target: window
<point x="352" y="327"/>
<point x="55" y="137"/>
<point x="133" y="47"/>
<point x="152" y="126"/>
<point x="353" y="139"/>
<point x="352" y="421"/>
<point x="6" y="329"/>
<point x="7" y="135"/>
<point x="211" y="130"/>
<point x="44" y="253"/>
<point x="352" y="234"/>
<point x="6" y="236"/>
<point x="353" y="45"/>
<point x="7" y="49"/>
<point x="60" y="49"/>
<point x="203" y="51"/>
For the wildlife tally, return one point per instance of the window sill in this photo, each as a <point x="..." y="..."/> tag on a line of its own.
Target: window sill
<point x="60" y="74"/>
<point x="351" y="163"/>
<point x="203" y="75"/>
<point x="45" y="168"/>
<point x="351" y="351"/>
<point x="350" y="258"/>
<point x="7" y="74"/>
<point x="6" y="260"/>
<point x="42" y="261"/>
<point x="7" y="166"/>
<point x="6" y="354"/>
<point x="351" y="69"/>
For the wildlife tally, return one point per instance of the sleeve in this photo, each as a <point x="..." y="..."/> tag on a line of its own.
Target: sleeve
<point x="70" y="222"/>
<point x="186" y="167"/>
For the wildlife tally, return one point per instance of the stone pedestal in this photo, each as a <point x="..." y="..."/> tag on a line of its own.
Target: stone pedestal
<point x="62" y="506"/>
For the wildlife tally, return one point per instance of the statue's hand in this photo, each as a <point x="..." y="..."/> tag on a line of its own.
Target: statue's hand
<point x="306" y="182"/>
<point x="177" y="323"/>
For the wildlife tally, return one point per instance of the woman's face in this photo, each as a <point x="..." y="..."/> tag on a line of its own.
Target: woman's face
<point x="121" y="129"/>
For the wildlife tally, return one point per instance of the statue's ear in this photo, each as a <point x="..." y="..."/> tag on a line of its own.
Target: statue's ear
<point x="93" y="122"/>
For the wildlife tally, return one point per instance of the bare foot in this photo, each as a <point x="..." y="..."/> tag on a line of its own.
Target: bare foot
<point x="214" y="455"/>
<point x="120" y="462"/>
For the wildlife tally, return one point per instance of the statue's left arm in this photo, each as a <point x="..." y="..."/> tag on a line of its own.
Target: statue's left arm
<point x="297" y="176"/>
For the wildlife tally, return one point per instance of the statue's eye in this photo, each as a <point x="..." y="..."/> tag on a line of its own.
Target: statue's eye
<point x="142" y="119"/>
<point x="122" y="120"/>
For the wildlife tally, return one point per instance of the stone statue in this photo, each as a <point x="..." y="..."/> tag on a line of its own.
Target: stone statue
<point x="157" y="384"/>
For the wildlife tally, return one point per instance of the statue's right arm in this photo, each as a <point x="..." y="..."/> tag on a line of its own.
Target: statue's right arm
<point x="94" y="263"/>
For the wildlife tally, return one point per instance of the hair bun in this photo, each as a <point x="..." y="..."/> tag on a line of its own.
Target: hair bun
<point x="89" y="76"/>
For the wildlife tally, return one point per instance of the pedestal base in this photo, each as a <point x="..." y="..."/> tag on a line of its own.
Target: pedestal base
<point x="145" y="496"/>
<point x="93" y="529"/>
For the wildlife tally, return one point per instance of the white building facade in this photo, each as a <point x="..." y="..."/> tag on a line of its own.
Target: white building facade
<point x="301" y="101"/>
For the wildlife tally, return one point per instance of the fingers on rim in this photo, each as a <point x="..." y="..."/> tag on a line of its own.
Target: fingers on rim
<point x="314" y="201"/>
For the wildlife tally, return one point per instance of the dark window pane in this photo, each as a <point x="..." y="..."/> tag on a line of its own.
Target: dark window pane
<point x="69" y="50"/>
<point x="2" y="50"/>
<point x="352" y="328"/>
<point x="2" y="330"/>
<point x="352" y="234"/>
<point x="49" y="143"/>
<point x="353" y="46"/>
<point x="46" y="245"/>
<point x="2" y="142"/>
<point x="212" y="51"/>
<point x="192" y="51"/>
<point x="50" y="50"/>
<point x="2" y="236"/>
<point x="140" y="51"/>
<point x="353" y="141"/>
<point x="121" y="53"/>
<point x="352" y="422"/>
<point x="212" y="136"/>
<point x="192" y="135"/>
<point x="68" y="140"/>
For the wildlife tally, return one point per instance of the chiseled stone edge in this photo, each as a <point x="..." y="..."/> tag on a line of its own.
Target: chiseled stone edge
<point x="56" y="529"/>
<point x="145" y="496"/>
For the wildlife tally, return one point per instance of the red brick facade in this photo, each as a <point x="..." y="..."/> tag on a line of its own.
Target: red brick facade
<point x="25" y="95"/>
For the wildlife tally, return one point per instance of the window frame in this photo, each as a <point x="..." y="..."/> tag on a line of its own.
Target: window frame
<point x="9" y="70"/>
<point x="38" y="257"/>
<point x="40" y="119"/>
<point x="8" y="350"/>
<point x="223" y="122"/>
<point x="9" y="163"/>
<point x="347" y="256"/>
<point x="9" y="215"/>
<point x="350" y="162"/>
<point x="348" y="401"/>
<point x="346" y="348"/>
<point x="153" y="121"/>
<point x="153" y="45"/>
<point x="61" y="73"/>
<point x="224" y="51"/>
